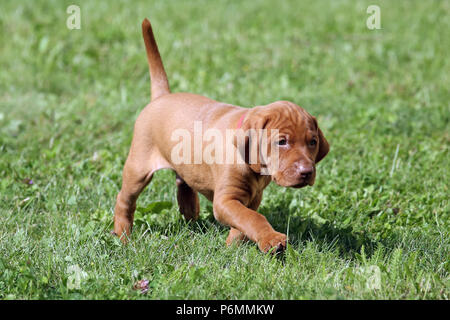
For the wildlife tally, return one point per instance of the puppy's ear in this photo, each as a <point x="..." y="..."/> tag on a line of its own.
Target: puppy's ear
<point x="247" y="140"/>
<point x="324" y="147"/>
<point x="242" y="143"/>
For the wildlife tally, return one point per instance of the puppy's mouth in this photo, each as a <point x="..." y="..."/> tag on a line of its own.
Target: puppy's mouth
<point x="299" y="185"/>
<point x="289" y="185"/>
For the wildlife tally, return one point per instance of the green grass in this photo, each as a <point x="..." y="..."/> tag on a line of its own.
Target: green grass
<point x="69" y="99"/>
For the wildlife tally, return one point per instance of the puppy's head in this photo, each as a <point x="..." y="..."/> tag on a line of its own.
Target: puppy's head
<point x="294" y="143"/>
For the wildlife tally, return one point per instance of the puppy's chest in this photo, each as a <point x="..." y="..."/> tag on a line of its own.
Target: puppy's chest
<point x="256" y="188"/>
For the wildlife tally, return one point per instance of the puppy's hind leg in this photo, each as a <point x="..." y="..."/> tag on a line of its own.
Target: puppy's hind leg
<point x="187" y="200"/>
<point x="136" y="177"/>
<point x="144" y="159"/>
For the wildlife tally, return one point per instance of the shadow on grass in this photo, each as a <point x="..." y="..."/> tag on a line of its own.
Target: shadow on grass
<point x="326" y="234"/>
<point x="300" y="229"/>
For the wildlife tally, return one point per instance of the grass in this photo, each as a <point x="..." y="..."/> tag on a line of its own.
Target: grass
<point x="374" y="226"/>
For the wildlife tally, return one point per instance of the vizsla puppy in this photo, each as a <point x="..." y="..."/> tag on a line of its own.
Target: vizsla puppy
<point x="235" y="189"/>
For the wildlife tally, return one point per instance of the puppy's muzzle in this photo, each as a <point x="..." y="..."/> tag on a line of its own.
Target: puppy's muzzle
<point x="298" y="176"/>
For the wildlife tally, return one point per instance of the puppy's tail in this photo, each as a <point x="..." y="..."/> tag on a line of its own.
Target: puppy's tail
<point x="158" y="77"/>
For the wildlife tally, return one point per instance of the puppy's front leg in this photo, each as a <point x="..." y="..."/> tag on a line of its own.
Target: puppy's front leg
<point x="254" y="225"/>
<point x="236" y="237"/>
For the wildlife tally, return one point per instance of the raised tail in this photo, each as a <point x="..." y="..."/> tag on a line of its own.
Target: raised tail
<point x="158" y="77"/>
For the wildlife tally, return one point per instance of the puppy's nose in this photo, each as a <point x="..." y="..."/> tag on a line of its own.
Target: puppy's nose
<point x="306" y="172"/>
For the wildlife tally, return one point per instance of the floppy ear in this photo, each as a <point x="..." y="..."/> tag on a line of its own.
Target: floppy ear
<point x="324" y="147"/>
<point x="242" y="143"/>
<point x="247" y="140"/>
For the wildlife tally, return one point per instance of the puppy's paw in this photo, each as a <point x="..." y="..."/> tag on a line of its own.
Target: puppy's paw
<point x="235" y="237"/>
<point x="273" y="242"/>
<point x="122" y="230"/>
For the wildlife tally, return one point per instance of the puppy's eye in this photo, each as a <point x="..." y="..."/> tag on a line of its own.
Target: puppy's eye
<point x="313" y="142"/>
<point x="282" y="142"/>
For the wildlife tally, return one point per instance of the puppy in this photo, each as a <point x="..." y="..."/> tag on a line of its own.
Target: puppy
<point x="235" y="188"/>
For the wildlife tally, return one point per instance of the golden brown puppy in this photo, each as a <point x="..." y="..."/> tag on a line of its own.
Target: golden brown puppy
<point x="236" y="187"/>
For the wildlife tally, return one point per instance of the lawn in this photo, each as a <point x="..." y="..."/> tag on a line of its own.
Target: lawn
<point x="374" y="226"/>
